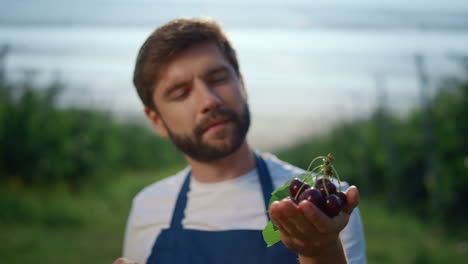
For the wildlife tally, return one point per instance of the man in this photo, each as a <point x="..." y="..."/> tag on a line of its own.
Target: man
<point x="188" y="78"/>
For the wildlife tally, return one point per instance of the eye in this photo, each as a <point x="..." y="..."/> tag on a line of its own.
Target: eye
<point x="179" y="94"/>
<point x="218" y="77"/>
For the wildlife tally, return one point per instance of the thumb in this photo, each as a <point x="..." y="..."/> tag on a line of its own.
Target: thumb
<point x="352" y="197"/>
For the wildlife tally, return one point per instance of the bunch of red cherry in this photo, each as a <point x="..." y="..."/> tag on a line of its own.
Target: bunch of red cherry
<point x="323" y="194"/>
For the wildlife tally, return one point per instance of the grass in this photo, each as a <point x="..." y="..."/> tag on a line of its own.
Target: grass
<point x="56" y="227"/>
<point x="397" y="236"/>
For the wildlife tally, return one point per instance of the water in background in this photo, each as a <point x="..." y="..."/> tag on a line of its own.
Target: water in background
<point x="305" y="66"/>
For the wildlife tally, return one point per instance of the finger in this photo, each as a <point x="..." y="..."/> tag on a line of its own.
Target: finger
<point x="291" y="242"/>
<point x="276" y="216"/>
<point x="287" y="212"/>
<point x="323" y="223"/>
<point x="289" y="233"/>
<point x="277" y="209"/>
<point x="352" y="196"/>
<point x="295" y="217"/>
<point x="287" y="217"/>
<point x="274" y="210"/>
<point x="294" y="230"/>
<point x="314" y="216"/>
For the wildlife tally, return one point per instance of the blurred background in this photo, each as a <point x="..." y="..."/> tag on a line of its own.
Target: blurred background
<point x="380" y="84"/>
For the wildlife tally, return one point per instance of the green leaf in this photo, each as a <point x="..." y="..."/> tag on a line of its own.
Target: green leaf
<point x="283" y="191"/>
<point x="307" y="177"/>
<point x="270" y="235"/>
<point x="279" y="194"/>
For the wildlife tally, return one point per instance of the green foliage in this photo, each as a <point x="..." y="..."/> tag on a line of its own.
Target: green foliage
<point x="450" y="110"/>
<point x="54" y="226"/>
<point x="397" y="236"/>
<point x="43" y="144"/>
<point x="99" y="216"/>
<point x="38" y="208"/>
<point x="270" y="232"/>
<point x="391" y="156"/>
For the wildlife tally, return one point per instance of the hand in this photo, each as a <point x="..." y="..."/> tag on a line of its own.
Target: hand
<point x="306" y="230"/>
<point x="124" y="261"/>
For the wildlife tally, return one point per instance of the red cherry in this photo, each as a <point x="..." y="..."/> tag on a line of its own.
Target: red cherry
<point x="295" y="185"/>
<point x="312" y="195"/>
<point x="343" y="198"/>
<point x="332" y="205"/>
<point x="331" y="188"/>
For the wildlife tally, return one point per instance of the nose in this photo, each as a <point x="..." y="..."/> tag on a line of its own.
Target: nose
<point x="209" y="98"/>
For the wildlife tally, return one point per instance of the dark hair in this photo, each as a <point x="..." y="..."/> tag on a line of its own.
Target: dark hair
<point x="169" y="40"/>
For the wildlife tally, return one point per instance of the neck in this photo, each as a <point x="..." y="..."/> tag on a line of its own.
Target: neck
<point x="235" y="165"/>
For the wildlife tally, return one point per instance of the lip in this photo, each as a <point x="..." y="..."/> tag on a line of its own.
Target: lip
<point x="216" y="125"/>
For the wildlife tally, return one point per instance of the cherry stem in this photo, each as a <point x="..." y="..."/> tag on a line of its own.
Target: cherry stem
<point x="319" y="167"/>
<point x="337" y="176"/>
<point x="300" y="188"/>
<point x="324" y="185"/>
<point x="321" y="171"/>
<point x="312" y="162"/>
<point x="304" y="181"/>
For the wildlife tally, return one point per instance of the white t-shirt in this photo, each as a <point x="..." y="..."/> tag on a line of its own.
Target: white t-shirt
<point x="215" y="207"/>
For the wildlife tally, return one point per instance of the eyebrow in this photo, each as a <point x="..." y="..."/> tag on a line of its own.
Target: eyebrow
<point x="221" y="68"/>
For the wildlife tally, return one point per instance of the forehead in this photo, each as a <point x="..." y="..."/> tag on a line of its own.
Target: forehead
<point x="195" y="60"/>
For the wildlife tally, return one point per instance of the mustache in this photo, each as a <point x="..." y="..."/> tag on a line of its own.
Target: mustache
<point x="225" y="113"/>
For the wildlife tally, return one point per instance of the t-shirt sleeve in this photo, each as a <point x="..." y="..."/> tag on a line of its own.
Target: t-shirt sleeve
<point x="130" y="250"/>
<point x="150" y="213"/>
<point x="139" y="235"/>
<point x="352" y="237"/>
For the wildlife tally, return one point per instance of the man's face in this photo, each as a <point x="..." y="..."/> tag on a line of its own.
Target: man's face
<point x="201" y="104"/>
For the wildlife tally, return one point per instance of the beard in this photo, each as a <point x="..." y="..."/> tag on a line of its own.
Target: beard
<point x="194" y="146"/>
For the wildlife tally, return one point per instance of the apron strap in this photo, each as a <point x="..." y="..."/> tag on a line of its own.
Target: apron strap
<point x="181" y="203"/>
<point x="265" y="181"/>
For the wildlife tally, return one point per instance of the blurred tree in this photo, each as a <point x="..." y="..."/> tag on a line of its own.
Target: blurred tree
<point x="43" y="144"/>
<point x="363" y="158"/>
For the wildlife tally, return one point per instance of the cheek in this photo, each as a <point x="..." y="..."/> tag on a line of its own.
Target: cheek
<point x="233" y="97"/>
<point x="179" y="118"/>
<point x="239" y="104"/>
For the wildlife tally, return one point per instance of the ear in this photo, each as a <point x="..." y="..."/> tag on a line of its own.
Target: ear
<point x="156" y="122"/>
<point x="242" y="87"/>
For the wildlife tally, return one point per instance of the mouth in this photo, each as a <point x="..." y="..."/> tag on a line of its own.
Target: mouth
<point x="216" y="126"/>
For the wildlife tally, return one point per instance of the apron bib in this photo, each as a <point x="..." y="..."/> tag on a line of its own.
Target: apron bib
<point x="176" y="245"/>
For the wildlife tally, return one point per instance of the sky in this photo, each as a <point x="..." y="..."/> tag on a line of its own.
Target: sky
<point x="264" y="13"/>
<point x="322" y="54"/>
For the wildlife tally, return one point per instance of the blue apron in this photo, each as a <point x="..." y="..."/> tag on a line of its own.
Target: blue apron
<point x="177" y="245"/>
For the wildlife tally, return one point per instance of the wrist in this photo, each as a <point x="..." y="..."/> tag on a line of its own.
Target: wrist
<point x="333" y="253"/>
